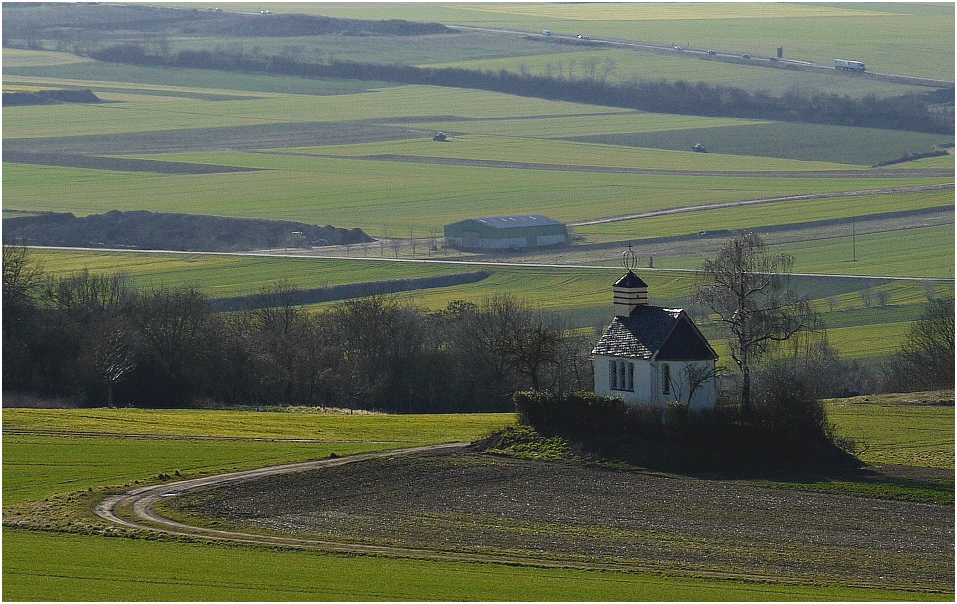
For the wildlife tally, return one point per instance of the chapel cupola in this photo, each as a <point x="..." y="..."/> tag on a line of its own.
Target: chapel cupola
<point x="630" y="291"/>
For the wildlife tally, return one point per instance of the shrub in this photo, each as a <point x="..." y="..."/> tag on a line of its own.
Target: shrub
<point x="786" y="430"/>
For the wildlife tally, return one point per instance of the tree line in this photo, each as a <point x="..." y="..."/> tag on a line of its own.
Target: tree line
<point x="142" y="229"/>
<point x="95" y="340"/>
<point x="911" y="112"/>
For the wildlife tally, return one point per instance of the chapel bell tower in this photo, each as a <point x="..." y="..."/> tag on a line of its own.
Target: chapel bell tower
<point x="630" y="291"/>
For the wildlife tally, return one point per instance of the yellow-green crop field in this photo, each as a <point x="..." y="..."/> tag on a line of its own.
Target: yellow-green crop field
<point x="922" y="252"/>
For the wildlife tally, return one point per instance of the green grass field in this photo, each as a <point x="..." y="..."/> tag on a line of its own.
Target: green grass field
<point x="386" y="198"/>
<point x="77" y="567"/>
<point x="756" y="216"/>
<point x="917" y="252"/>
<point x="153" y="442"/>
<point x="890" y="432"/>
<point x="62" y="566"/>
<point x="617" y="66"/>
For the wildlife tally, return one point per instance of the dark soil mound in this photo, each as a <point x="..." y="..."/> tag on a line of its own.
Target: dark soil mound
<point x="49" y="97"/>
<point x="180" y="232"/>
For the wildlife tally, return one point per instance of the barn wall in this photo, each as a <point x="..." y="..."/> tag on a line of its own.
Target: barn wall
<point x="473" y="234"/>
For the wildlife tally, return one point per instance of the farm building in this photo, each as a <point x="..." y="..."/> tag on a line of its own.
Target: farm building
<point x="505" y="232"/>
<point x="651" y="355"/>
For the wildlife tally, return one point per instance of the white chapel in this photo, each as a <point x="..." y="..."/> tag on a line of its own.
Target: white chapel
<point x="651" y="355"/>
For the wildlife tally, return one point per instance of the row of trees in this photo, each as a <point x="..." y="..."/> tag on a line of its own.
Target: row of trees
<point x="908" y="112"/>
<point x="97" y="340"/>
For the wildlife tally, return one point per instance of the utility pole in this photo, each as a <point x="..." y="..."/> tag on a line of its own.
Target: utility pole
<point x="854" y="240"/>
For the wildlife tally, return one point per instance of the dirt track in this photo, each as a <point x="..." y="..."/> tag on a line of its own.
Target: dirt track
<point x="452" y="504"/>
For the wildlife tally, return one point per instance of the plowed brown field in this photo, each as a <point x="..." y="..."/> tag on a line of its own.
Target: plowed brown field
<point x="478" y="503"/>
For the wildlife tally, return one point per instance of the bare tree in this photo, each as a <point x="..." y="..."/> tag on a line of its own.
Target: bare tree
<point x="84" y="294"/>
<point x="475" y="337"/>
<point x="530" y="341"/>
<point x="22" y="277"/>
<point x="926" y="357"/>
<point x="95" y="309"/>
<point x="750" y="290"/>
<point x="277" y="337"/>
<point x="380" y="339"/>
<point x="608" y="68"/>
<point x="174" y="326"/>
<point x="433" y="239"/>
<point x="22" y="282"/>
<point x="693" y="376"/>
<point x="114" y="356"/>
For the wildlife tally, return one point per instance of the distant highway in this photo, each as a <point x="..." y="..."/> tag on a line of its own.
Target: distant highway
<point x="727" y="56"/>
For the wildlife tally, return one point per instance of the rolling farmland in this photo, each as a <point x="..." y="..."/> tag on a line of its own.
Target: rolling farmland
<point x="871" y="239"/>
<point x="58" y="454"/>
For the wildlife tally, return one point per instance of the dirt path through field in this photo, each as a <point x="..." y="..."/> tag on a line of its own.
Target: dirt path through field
<point x="447" y="502"/>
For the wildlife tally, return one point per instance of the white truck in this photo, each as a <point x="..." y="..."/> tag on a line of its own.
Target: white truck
<point x="848" y="65"/>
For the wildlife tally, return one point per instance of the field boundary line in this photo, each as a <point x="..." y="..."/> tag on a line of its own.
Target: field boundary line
<point x="888" y="173"/>
<point x="766" y="200"/>
<point x="267" y="254"/>
<point x="276" y="439"/>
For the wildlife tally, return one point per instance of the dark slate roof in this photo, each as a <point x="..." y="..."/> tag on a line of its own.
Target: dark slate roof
<point x="511" y="222"/>
<point x="630" y="279"/>
<point x="669" y="332"/>
<point x="686" y="343"/>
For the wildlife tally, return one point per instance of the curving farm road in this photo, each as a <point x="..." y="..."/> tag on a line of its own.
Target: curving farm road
<point x="467" y="507"/>
<point x="134" y="509"/>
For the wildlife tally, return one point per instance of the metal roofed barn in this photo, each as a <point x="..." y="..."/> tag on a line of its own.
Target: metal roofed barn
<point x="505" y="232"/>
